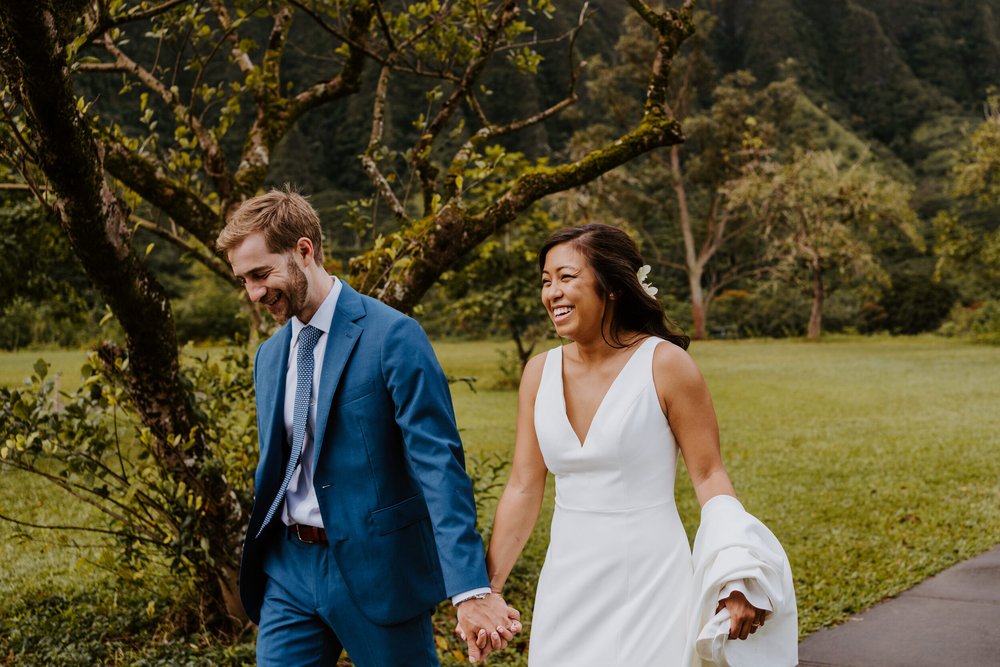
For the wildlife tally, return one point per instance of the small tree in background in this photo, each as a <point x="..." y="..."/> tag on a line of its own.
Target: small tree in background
<point x="823" y="221"/>
<point x="674" y="200"/>
<point x="968" y="237"/>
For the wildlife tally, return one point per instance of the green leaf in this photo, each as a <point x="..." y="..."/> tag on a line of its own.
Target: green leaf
<point x="41" y="369"/>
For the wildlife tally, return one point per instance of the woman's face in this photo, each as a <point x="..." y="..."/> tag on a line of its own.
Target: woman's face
<point x="570" y="293"/>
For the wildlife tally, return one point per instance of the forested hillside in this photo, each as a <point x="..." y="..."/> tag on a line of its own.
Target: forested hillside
<point x="906" y="77"/>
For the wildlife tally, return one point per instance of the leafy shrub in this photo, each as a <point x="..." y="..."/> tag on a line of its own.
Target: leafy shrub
<point x="776" y="313"/>
<point x="209" y="311"/>
<point x="489" y="475"/>
<point x="87" y="439"/>
<point x="980" y="322"/>
<point x="92" y="445"/>
<point x="107" y="627"/>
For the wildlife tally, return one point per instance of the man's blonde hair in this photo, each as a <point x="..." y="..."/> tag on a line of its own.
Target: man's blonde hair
<point x="283" y="216"/>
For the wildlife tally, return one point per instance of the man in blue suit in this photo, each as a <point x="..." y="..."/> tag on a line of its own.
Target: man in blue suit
<point x="364" y="517"/>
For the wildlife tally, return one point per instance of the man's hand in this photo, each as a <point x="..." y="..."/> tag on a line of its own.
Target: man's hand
<point x="744" y="617"/>
<point x="486" y="625"/>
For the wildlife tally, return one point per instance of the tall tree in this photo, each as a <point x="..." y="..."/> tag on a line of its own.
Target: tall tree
<point x="968" y="236"/>
<point x="824" y="219"/>
<point x="675" y="199"/>
<point x="201" y="140"/>
<point x="49" y="130"/>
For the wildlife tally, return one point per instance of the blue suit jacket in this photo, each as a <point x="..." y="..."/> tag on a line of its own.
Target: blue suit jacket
<point x="396" y="502"/>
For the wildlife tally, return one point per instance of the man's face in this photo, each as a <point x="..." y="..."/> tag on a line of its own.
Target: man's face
<point x="274" y="280"/>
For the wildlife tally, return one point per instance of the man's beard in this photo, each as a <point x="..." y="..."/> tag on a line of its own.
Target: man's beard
<point x="295" y="292"/>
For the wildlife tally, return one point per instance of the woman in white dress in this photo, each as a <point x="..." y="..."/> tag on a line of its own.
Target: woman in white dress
<point x="606" y="415"/>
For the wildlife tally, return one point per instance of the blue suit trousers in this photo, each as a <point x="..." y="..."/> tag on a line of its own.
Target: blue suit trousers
<point x="307" y="609"/>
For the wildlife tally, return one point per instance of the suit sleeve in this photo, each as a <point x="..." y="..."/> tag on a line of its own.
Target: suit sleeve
<point x="424" y="413"/>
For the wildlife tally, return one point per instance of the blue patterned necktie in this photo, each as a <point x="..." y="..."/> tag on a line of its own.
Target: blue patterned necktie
<point x="305" y="368"/>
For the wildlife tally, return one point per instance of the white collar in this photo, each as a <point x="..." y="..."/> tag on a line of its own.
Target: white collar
<point x="323" y="317"/>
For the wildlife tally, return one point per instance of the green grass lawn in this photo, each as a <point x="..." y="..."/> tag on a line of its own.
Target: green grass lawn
<point x="16" y="367"/>
<point x="874" y="460"/>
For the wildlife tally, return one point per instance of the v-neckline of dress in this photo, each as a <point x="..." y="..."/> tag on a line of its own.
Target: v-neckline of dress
<point x="562" y="394"/>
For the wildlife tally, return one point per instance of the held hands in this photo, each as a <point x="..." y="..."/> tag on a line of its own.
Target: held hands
<point x="745" y="619"/>
<point x="486" y="624"/>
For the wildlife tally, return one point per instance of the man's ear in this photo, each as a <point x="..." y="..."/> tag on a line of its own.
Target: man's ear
<point x="305" y="250"/>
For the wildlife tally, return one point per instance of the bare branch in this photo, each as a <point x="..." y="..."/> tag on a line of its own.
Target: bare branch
<point x="347" y="38"/>
<point x="368" y="162"/>
<point x="198" y="251"/>
<point x="229" y="28"/>
<point x="78" y="491"/>
<point x="100" y="67"/>
<point x="384" y="25"/>
<point x="105" y="22"/>
<point x="83" y="529"/>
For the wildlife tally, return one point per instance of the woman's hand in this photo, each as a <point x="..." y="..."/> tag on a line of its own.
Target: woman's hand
<point x="744" y="617"/>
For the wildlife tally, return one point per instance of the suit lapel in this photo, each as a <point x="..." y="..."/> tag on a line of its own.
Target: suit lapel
<point x="340" y="342"/>
<point x="270" y="387"/>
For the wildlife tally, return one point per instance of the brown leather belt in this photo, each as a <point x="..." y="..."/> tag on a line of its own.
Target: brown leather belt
<point x="307" y="534"/>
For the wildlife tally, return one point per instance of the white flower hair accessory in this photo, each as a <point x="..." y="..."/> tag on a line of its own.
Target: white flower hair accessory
<point x="641" y="275"/>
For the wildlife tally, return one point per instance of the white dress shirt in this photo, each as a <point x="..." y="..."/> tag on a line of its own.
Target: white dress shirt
<point x="301" y="505"/>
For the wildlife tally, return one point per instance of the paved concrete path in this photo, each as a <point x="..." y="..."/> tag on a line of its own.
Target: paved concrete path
<point x="952" y="619"/>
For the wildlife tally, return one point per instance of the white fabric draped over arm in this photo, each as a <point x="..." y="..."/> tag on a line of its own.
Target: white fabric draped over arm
<point x="733" y="550"/>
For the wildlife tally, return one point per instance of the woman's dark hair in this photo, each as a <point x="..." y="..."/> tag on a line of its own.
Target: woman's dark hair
<point x="616" y="261"/>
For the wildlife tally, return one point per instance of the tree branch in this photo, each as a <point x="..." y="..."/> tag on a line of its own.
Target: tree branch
<point x="215" y="159"/>
<point x="96" y="222"/>
<point x="105" y="22"/>
<point x="150" y="181"/>
<point x="276" y="115"/>
<point x="368" y="162"/>
<point x="240" y="56"/>
<point x="199" y="252"/>
<point x="420" y="153"/>
<point x="441" y="239"/>
<point x="85" y="529"/>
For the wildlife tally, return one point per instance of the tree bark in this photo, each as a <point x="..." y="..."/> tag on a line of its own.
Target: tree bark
<point x="816" y="317"/>
<point x="699" y="314"/>
<point x="694" y="263"/>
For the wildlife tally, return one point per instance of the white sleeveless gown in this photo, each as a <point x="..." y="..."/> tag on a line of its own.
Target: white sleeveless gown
<point x="616" y="585"/>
